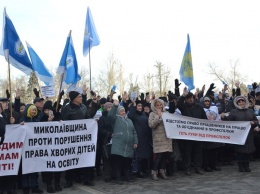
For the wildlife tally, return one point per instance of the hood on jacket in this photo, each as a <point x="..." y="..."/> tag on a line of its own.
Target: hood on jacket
<point x="206" y="98"/>
<point x="153" y="104"/>
<point x="26" y="112"/>
<point x="243" y="98"/>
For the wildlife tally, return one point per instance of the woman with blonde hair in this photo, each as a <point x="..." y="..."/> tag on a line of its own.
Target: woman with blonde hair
<point x="161" y="144"/>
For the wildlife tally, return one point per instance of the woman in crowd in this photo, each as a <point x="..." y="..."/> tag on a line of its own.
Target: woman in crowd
<point x="30" y="181"/>
<point x="105" y="132"/>
<point x="161" y="144"/>
<point x="124" y="141"/>
<point x="144" y="135"/>
<point x="243" y="113"/>
<point x="49" y="114"/>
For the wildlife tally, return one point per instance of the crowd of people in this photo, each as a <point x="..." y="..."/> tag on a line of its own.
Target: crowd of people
<point x="132" y="138"/>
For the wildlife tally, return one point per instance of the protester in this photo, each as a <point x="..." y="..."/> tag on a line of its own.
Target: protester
<point x="192" y="150"/>
<point x="30" y="181"/>
<point x="48" y="116"/>
<point x="210" y="148"/>
<point x="124" y="141"/>
<point x="144" y="134"/>
<point x="243" y="113"/>
<point x="76" y="110"/>
<point x="105" y="132"/>
<point x="161" y="144"/>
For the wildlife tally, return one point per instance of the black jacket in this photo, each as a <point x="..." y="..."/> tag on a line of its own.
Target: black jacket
<point x="195" y="110"/>
<point x="75" y="112"/>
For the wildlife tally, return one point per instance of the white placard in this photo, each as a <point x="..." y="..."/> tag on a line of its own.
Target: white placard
<point x="48" y="91"/>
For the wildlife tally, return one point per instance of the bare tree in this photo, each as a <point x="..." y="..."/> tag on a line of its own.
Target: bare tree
<point x="162" y="76"/>
<point x="111" y="75"/>
<point x="228" y="77"/>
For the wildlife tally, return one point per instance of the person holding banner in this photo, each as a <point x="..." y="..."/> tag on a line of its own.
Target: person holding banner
<point x="30" y="181"/>
<point x="192" y="150"/>
<point x="49" y="114"/>
<point x="210" y="148"/>
<point x="124" y="141"/>
<point x="76" y="110"/>
<point x="161" y="144"/>
<point x="7" y="182"/>
<point x="243" y="113"/>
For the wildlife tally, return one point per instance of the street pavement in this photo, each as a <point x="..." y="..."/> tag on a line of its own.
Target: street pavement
<point x="228" y="180"/>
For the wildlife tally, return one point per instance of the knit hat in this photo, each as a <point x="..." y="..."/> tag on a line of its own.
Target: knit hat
<point x="119" y="109"/>
<point x="102" y="101"/>
<point x="206" y="99"/>
<point x="48" y="105"/>
<point x="240" y="98"/>
<point x="107" y="105"/>
<point x="73" y="95"/>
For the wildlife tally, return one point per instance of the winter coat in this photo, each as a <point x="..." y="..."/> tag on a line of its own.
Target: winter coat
<point x="195" y="110"/>
<point x="160" y="142"/>
<point x="144" y="133"/>
<point x="105" y="130"/>
<point x="243" y="114"/>
<point x="76" y="112"/>
<point x="124" y="134"/>
<point x="2" y="129"/>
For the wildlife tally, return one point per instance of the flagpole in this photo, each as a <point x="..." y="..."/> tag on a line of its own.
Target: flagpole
<point x="62" y="77"/>
<point x="10" y="88"/>
<point x="89" y="64"/>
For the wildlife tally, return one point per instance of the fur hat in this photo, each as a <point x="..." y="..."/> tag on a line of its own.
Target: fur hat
<point x="73" y="95"/>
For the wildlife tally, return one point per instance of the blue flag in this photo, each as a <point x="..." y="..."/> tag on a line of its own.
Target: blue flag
<point x="90" y="34"/>
<point x="186" y="70"/>
<point x="68" y="64"/>
<point x="12" y="47"/>
<point x="39" y="67"/>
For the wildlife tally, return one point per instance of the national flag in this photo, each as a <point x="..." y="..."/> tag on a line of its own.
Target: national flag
<point x="90" y="34"/>
<point x="68" y="66"/>
<point x="186" y="70"/>
<point x="12" y="47"/>
<point x="39" y="68"/>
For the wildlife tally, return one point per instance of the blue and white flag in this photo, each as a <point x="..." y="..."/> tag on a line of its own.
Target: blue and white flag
<point x="186" y="70"/>
<point x="90" y="34"/>
<point x="12" y="47"/>
<point x="39" y="68"/>
<point x="68" y="67"/>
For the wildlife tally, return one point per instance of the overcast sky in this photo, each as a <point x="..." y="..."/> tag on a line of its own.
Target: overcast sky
<point x="141" y="32"/>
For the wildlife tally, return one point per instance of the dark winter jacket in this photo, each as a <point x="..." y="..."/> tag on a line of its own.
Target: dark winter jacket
<point x="144" y="133"/>
<point x="76" y="112"/>
<point x="105" y="130"/>
<point x="245" y="114"/>
<point x="195" y="110"/>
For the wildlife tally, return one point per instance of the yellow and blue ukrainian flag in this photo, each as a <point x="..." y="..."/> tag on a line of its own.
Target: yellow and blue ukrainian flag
<point x="186" y="70"/>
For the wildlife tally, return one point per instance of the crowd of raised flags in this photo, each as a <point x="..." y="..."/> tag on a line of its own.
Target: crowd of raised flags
<point x="15" y="54"/>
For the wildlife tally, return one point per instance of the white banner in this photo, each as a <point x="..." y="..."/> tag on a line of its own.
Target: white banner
<point x="11" y="150"/>
<point x="182" y="127"/>
<point x="59" y="146"/>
